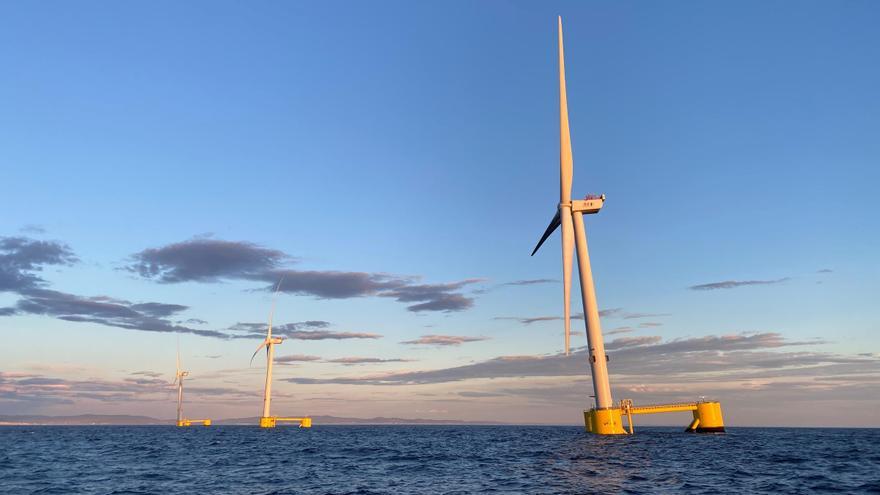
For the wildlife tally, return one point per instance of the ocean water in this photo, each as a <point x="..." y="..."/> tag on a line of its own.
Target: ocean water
<point x="433" y="459"/>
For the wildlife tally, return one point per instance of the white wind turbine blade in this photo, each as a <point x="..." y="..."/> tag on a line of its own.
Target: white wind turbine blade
<point x="567" y="263"/>
<point x="565" y="156"/>
<point x="566" y="165"/>
<point x="272" y="311"/>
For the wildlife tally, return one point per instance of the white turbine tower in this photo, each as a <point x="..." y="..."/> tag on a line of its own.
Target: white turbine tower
<point x="570" y="215"/>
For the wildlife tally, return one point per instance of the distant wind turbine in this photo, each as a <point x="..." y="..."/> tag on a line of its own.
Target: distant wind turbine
<point x="178" y="380"/>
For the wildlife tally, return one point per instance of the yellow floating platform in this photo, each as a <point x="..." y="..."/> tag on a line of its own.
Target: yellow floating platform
<point x="271" y="421"/>
<point x="707" y="417"/>
<point x="190" y="422"/>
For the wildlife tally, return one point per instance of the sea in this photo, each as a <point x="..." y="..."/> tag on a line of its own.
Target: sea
<point x="433" y="460"/>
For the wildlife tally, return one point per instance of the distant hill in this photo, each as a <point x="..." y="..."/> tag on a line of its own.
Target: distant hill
<point x="122" y="419"/>
<point x="336" y="420"/>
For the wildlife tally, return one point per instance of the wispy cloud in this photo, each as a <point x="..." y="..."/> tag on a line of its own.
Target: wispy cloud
<point x="301" y="330"/>
<point x="633" y="316"/>
<point x="151" y="374"/>
<point x="619" y="330"/>
<point x="642" y="357"/>
<point x="516" y="283"/>
<point x="32" y="229"/>
<point x="443" y="340"/>
<point x="296" y="358"/>
<point x="605" y="313"/>
<point x="34" y="390"/>
<point x="330" y="335"/>
<point x="350" y="361"/>
<point x="534" y="281"/>
<point x="528" y="320"/>
<point x="732" y="284"/>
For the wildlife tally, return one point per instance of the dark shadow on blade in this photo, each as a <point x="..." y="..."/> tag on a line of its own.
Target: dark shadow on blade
<point x="554" y="224"/>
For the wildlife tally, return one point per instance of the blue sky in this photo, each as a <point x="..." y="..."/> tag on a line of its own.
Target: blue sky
<point x="735" y="142"/>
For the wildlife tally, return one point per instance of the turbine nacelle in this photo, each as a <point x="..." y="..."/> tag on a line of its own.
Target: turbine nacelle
<point x="589" y="205"/>
<point x="179" y="376"/>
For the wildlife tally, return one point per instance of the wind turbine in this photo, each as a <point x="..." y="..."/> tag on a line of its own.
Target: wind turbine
<point x="269" y="343"/>
<point x="178" y="380"/>
<point x="267" y="420"/>
<point x="604" y="418"/>
<point x="570" y="215"/>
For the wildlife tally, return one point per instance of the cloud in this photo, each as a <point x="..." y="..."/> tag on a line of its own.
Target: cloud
<point x="296" y="358"/>
<point x="106" y="311"/>
<point x="605" y="313"/>
<point x="632" y="316"/>
<point x="330" y="335"/>
<point x="731" y="284"/>
<point x="20" y="257"/>
<point x="160" y="310"/>
<point x="32" y="229"/>
<point x="343" y="285"/>
<point x="151" y="374"/>
<point x="213" y="260"/>
<point x="650" y="324"/>
<point x="433" y="297"/>
<point x="825" y="270"/>
<point x="535" y="281"/>
<point x="205" y="260"/>
<point x="622" y="342"/>
<point x="258" y="330"/>
<point x="443" y="340"/>
<point x="529" y="320"/>
<point x="301" y="330"/>
<point x="350" y="361"/>
<point x="619" y="330"/>
<point x="479" y="394"/>
<point x="38" y="390"/>
<point x="516" y="283"/>
<point x="332" y="284"/>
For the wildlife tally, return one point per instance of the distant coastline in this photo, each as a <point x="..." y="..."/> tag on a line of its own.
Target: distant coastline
<point x="130" y="420"/>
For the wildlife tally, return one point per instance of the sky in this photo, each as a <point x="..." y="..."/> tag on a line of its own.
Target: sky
<point x="165" y="164"/>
